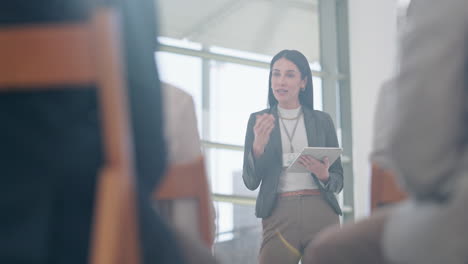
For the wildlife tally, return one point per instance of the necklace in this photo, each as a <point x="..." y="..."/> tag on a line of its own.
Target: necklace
<point x="291" y="118"/>
<point x="290" y="136"/>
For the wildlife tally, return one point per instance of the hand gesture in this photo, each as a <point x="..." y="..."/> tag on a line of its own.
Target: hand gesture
<point x="264" y="124"/>
<point x="315" y="166"/>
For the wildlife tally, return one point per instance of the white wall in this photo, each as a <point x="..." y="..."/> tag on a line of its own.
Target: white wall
<point x="373" y="36"/>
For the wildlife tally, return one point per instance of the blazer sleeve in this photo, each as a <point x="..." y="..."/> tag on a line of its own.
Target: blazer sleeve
<point x="335" y="181"/>
<point x="253" y="169"/>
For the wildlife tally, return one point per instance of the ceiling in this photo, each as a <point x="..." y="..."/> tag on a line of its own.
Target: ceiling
<point x="259" y="26"/>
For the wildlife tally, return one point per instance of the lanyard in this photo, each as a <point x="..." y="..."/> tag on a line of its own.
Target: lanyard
<point x="290" y="136"/>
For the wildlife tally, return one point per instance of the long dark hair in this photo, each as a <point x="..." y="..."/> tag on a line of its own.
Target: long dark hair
<point x="306" y="97"/>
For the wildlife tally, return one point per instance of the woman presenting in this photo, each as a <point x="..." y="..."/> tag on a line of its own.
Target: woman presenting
<point x="294" y="207"/>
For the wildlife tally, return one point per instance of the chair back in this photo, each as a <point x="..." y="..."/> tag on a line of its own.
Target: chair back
<point x="45" y="57"/>
<point x="384" y="188"/>
<point x="189" y="181"/>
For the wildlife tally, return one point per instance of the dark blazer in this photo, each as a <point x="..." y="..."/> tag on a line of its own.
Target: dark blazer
<point x="266" y="170"/>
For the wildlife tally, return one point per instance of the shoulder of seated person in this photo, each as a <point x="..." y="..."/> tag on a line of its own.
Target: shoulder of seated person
<point x="174" y="93"/>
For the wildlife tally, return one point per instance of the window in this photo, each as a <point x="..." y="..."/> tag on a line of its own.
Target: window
<point x="170" y="67"/>
<point x="236" y="91"/>
<point x="236" y="85"/>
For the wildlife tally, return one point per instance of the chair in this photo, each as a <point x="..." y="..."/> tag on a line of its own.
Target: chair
<point x="188" y="181"/>
<point x="384" y="188"/>
<point x="41" y="57"/>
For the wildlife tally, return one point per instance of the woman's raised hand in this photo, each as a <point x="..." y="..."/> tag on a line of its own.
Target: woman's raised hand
<point x="264" y="124"/>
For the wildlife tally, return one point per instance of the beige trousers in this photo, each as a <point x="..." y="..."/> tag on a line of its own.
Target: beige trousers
<point x="294" y="223"/>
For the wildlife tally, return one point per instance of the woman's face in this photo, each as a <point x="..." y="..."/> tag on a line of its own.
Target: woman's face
<point x="286" y="83"/>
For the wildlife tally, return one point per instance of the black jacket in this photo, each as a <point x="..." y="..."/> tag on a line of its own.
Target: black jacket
<point x="51" y="145"/>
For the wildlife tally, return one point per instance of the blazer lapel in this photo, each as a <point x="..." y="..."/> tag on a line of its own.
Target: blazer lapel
<point x="275" y="137"/>
<point x="310" y="126"/>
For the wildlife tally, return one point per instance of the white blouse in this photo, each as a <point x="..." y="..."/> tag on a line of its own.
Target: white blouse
<point x="293" y="181"/>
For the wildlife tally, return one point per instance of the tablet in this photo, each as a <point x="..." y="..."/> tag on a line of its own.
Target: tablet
<point x="316" y="152"/>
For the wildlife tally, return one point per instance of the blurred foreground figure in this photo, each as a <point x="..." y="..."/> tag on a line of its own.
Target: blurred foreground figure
<point x="427" y="149"/>
<point x="52" y="147"/>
